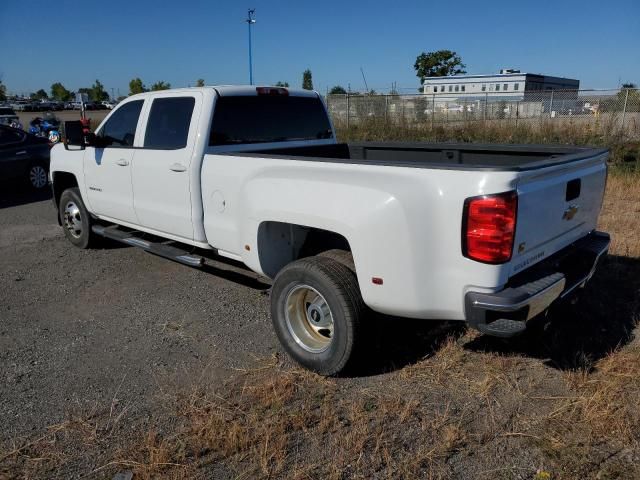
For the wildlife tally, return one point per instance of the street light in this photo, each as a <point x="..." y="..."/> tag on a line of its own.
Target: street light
<point x="250" y="21"/>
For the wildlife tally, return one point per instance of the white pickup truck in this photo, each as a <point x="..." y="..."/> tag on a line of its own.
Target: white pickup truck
<point x="488" y="234"/>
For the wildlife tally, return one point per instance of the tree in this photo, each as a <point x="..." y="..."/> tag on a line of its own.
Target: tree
<point x="160" y="86"/>
<point x="97" y="93"/>
<point x="200" y="82"/>
<point x="438" y="64"/>
<point x="59" y="93"/>
<point x="307" y="82"/>
<point x="282" y="84"/>
<point x="39" y="95"/>
<point x="136" y="86"/>
<point x="337" y="90"/>
<point x="3" y="92"/>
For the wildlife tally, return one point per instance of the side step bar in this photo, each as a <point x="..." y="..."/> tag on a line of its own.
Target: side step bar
<point x="160" y="249"/>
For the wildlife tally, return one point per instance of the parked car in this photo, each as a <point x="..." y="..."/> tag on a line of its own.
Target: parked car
<point x="20" y="106"/>
<point x="417" y="230"/>
<point x="8" y="116"/>
<point x="109" y="105"/>
<point x="24" y="157"/>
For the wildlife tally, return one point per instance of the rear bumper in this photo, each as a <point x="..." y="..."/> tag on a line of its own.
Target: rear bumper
<point x="531" y="292"/>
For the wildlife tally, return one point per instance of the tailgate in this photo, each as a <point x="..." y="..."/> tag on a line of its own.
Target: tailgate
<point x="556" y="206"/>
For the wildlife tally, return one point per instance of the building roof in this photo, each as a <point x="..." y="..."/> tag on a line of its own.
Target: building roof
<point x="498" y="75"/>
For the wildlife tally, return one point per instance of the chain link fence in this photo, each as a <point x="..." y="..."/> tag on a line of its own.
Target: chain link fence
<point x="608" y="111"/>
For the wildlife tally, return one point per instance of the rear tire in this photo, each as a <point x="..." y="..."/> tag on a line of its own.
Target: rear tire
<point x="75" y="219"/>
<point x="316" y="309"/>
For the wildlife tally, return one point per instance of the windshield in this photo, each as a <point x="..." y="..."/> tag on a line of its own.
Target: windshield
<point x="268" y="118"/>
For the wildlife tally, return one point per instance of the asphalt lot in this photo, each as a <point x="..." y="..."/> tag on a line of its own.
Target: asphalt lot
<point x="80" y="327"/>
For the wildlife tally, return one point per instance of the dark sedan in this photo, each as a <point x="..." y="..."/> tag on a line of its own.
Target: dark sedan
<point x="24" y="157"/>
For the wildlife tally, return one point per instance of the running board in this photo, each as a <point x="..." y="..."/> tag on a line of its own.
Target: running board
<point x="160" y="249"/>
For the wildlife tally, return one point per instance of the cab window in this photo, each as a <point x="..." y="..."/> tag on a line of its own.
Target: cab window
<point x="120" y="129"/>
<point x="169" y="122"/>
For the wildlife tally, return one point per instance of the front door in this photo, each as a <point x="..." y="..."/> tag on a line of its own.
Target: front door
<point x="107" y="171"/>
<point x="162" y="168"/>
<point x="13" y="153"/>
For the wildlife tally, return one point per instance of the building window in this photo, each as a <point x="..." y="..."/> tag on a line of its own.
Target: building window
<point x="516" y="86"/>
<point x="484" y="87"/>
<point x="497" y="87"/>
<point x="505" y="87"/>
<point x="450" y="88"/>
<point x="457" y="88"/>
<point x="462" y="88"/>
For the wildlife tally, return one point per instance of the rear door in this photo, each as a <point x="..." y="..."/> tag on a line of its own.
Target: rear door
<point x="556" y="206"/>
<point x="107" y="171"/>
<point x="162" y="167"/>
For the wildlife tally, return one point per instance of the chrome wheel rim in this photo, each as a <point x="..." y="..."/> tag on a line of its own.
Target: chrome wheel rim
<point x="38" y="176"/>
<point x="309" y="318"/>
<point x="72" y="220"/>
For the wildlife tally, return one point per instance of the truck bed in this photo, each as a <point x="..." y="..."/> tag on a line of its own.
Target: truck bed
<point x="435" y="155"/>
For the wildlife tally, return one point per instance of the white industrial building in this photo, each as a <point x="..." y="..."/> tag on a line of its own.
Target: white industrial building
<point x="509" y="84"/>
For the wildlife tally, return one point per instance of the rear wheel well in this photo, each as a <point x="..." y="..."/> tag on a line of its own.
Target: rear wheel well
<point x="281" y="243"/>
<point x="61" y="182"/>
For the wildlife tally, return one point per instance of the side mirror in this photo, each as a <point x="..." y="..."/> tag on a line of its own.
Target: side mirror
<point x="73" y="135"/>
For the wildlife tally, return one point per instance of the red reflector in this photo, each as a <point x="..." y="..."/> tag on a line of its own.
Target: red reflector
<point x="377" y="280"/>
<point x="272" y="91"/>
<point x="489" y="226"/>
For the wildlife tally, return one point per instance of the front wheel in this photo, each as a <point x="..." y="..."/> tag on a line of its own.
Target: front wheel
<point x="316" y="309"/>
<point x="38" y="176"/>
<point x="75" y="219"/>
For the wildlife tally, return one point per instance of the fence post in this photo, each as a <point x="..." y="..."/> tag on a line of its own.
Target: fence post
<point x="484" y="116"/>
<point x="386" y="107"/>
<point x="403" y="105"/>
<point x="348" y="110"/>
<point x="517" y="112"/>
<point x="433" y="108"/>
<point x="624" y="109"/>
<point x="551" y="105"/>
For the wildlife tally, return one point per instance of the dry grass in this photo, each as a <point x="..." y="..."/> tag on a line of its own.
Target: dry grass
<point x="559" y="403"/>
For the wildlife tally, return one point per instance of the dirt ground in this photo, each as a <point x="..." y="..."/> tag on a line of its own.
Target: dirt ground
<point x="116" y="363"/>
<point x="77" y="326"/>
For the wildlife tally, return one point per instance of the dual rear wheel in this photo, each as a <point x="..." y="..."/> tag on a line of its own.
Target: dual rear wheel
<point x="316" y="309"/>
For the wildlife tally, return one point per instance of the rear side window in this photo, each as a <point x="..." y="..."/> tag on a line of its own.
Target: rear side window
<point x="120" y="129"/>
<point x="268" y="118"/>
<point x="168" y="124"/>
<point x="7" y="111"/>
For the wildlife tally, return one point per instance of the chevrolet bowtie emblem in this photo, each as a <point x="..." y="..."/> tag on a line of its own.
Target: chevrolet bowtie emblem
<point x="570" y="212"/>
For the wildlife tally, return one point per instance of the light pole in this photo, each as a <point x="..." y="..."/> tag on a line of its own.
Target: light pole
<point x="250" y="21"/>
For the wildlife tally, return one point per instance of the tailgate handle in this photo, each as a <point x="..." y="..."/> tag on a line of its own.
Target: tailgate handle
<point x="573" y="189"/>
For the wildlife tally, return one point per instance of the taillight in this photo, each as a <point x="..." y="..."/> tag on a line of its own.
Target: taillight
<point x="272" y="91"/>
<point x="489" y="227"/>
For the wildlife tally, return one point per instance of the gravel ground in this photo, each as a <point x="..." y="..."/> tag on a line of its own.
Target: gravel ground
<point x="78" y="327"/>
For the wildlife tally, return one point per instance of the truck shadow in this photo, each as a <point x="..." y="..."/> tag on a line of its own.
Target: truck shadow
<point x="395" y="342"/>
<point x="16" y="193"/>
<point x="574" y="337"/>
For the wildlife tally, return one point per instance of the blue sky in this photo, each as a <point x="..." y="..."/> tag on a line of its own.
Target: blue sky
<point x="595" y="41"/>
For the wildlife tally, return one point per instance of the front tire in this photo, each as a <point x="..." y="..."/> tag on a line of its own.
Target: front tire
<point x="75" y="219"/>
<point x="316" y="309"/>
<point x="38" y="176"/>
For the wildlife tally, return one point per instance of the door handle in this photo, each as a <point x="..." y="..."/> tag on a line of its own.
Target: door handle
<point x="122" y="162"/>
<point x="177" y="167"/>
